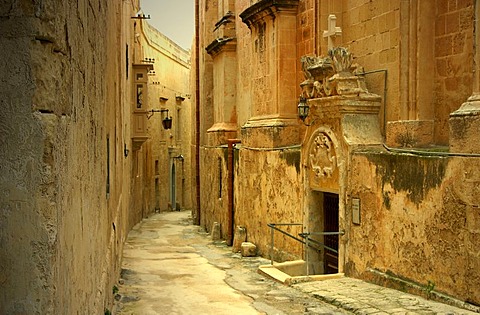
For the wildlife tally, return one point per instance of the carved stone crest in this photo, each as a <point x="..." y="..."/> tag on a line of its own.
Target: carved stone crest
<point x="322" y="156"/>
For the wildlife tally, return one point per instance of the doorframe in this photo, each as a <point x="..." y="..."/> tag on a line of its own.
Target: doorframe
<point x="309" y="200"/>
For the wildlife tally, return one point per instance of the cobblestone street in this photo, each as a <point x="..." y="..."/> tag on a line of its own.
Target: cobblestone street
<point x="172" y="267"/>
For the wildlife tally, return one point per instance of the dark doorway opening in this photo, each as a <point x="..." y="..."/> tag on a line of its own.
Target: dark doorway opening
<point x="330" y="214"/>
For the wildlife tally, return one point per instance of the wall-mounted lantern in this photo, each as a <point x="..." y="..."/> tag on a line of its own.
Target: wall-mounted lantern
<point x="303" y="108"/>
<point x="166" y="122"/>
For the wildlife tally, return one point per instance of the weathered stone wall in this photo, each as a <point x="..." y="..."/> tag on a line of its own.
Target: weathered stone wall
<point x="371" y="30"/>
<point x="415" y="220"/>
<point x="64" y="180"/>
<point x="422" y="83"/>
<point x="453" y="60"/>
<point x="419" y="220"/>
<point x="267" y="190"/>
<point x="244" y="51"/>
<point x="208" y="18"/>
<point x="214" y="190"/>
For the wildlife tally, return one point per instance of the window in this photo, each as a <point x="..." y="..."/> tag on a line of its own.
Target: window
<point x="178" y="126"/>
<point x="126" y="61"/>
<point x="220" y="177"/>
<point x="139" y="95"/>
<point x="108" y="167"/>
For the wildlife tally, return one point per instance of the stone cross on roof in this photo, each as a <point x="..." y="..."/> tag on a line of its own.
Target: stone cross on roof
<point x="332" y="30"/>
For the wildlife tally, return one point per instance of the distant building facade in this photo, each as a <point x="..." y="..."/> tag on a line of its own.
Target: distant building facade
<point x="388" y="155"/>
<point x="168" y="174"/>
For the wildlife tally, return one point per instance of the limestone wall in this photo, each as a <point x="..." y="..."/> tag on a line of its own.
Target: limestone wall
<point x="64" y="179"/>
<point x="267" y="190"/>
<point x="214" y="191"/>
<point x="419" y="221"/>
<point x="415" y="220"/>
<point x="453" y="60"/>
<point x="425" y="54"/>
<point x="244" y="58"/>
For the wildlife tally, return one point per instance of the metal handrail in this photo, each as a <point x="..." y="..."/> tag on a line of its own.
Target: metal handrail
<point x="308" y="239"/>
<point x="325" y="233"/>
<point x="306" y="236"/>
<point x="273" y="227"/>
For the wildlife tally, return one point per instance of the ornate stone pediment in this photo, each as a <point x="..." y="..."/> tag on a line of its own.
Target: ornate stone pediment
<point x="332" y="75"/>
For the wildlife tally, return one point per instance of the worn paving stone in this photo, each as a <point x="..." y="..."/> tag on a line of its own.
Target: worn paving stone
<point x="166" y="260"/>
<point x="172" y="267"/>
<point x="360" y="297"/>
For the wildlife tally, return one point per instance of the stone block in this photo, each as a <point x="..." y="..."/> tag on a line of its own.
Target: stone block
<point x="216" y="231"/>
<point x="248" y="249"/>
<point x="464" y="130"/>
<point x="239" y="237"/>
<point x="271" y="133"/>
<point x="409" y="133"/>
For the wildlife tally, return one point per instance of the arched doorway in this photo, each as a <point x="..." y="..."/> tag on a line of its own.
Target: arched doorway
<point x="323" y="202"/>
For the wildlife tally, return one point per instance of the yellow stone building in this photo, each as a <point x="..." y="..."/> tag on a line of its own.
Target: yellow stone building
<point x="387" y="157"/>
<point x="81" y="161"/>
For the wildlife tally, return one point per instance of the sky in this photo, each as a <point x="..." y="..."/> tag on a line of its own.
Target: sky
<point x="173" y="18"/>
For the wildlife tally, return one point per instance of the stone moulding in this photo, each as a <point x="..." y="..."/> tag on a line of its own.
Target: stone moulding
<point x="221" y="44"/>
<point x="265" y="8"/>
<point x="229" y="17"/>
<point x="332" y="75"/>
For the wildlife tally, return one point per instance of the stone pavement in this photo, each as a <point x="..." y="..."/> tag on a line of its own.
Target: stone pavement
<point x="363" y="298"/>
<point x="173" y="267"/>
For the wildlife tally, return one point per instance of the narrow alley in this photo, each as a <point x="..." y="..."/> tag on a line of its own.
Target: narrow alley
<point x="172" y="267"/>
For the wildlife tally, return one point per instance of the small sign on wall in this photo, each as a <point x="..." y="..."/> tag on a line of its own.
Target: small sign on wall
<point x="356" y="210"/>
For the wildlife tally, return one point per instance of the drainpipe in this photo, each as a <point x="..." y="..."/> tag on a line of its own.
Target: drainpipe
<point x="230" y="168"/>
<point x="196" y="216"/>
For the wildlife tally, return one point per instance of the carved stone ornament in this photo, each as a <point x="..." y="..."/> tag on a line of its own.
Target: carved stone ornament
<point x="342" y="59"/>
<point x="332" y="75"/>
<point x="322" y="157"/>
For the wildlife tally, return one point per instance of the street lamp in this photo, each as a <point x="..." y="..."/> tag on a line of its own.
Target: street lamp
<point x="166" y="122"/>
<point x="303" y="108"/>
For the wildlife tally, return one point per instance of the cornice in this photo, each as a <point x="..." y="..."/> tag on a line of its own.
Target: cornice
<point x="266" y="7"/>
<point x="220" y="44"/>
<point x="229" y="17"/>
